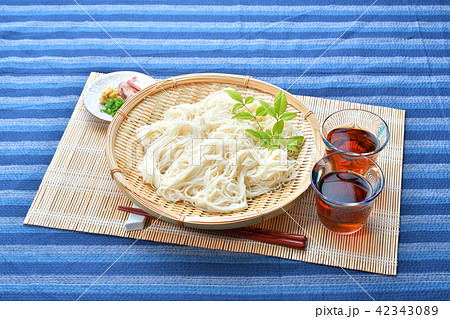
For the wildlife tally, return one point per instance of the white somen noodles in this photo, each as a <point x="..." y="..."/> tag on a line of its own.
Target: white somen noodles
<point x="200" y="155"/>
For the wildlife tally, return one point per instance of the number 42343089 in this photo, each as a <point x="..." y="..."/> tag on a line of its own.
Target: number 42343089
<point x="407" y="310"/>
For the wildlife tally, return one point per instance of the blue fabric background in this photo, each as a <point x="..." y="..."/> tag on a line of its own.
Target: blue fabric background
<point x="396" y="55"/>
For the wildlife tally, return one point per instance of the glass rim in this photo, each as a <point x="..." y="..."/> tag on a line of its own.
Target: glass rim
<point x="366" y="201"/>
<point x="353" y="154"/>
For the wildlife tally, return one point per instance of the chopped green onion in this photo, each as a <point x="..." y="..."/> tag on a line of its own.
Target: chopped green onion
<point x="112" y="106"/>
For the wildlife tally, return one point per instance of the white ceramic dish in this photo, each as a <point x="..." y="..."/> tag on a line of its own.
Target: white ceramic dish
<point x="95" y="89"/>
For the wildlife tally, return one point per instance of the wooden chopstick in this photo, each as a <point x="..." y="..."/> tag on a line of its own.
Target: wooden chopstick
<point x="275" y="233"/>
<point x="258" y="234"/>
<point x="237" y="232"/>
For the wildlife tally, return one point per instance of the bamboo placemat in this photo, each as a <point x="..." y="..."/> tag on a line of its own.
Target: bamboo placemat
<point x="77" y="193"/>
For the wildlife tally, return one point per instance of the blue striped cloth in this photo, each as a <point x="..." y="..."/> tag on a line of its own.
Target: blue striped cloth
<point x="396" y="55"/>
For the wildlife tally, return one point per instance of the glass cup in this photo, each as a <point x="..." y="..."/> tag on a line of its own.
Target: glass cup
<point x="355" y="133"/>
<point x="345" y="194"/>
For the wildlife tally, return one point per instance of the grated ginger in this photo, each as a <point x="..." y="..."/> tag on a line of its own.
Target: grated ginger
<point x="109" y="93"/>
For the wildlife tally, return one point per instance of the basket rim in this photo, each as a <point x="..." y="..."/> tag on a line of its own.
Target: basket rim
<point x="222" y="222"/>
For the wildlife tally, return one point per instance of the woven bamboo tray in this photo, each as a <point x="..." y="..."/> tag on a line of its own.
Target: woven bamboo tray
<point x="124" y="153"/>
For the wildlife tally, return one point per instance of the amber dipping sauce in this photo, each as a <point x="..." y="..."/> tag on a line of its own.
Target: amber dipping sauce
<point x="343" y="187"/>
<point x="353" y="140"/>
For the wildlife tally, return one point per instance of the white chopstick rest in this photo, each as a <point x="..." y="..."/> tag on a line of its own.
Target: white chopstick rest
<point x="135" y="221"/>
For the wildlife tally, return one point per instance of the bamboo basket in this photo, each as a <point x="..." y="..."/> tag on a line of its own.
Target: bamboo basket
<point x="124" y="153"/>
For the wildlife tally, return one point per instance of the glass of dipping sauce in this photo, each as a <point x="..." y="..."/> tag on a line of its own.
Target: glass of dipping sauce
<point x="345" y="194"/>
<point x="355" y="133"/>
